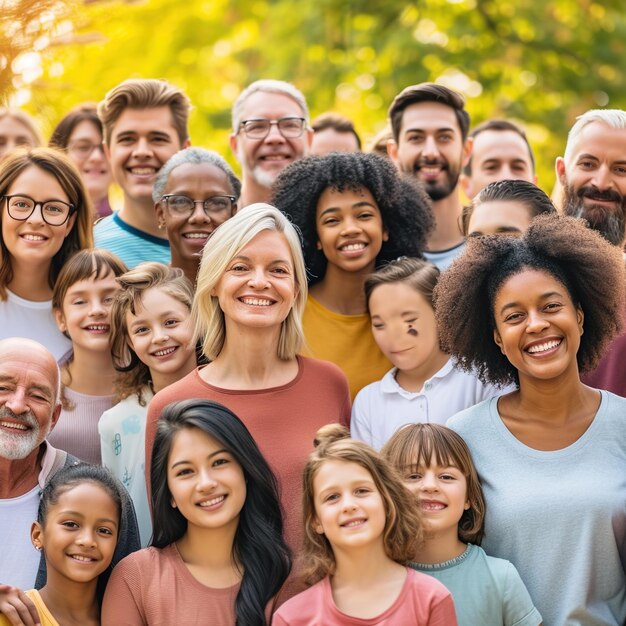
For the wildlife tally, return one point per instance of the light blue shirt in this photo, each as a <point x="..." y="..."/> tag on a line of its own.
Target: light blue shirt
<point x="485" y="590"/>
<point x="130" y="244"/>
<point x="559" y="516"/>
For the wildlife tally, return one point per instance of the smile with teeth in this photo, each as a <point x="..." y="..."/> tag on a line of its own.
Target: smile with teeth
<point x="351" y="247"/>
<point x="198" y="235"/>
<point x="143" y="171"/>
<point x="354" y="523"/>
<point x="165" y="351"/>
<point x="100" y="328"/>
<point x="13" y="425"/>
<point x="80" y="557"/>
<point x="31" y="237"/>
<point x="256" y="301"/>
<point x="431" y="505"/>
<point x="213" y="501"/>
<point x="544" y="347"/>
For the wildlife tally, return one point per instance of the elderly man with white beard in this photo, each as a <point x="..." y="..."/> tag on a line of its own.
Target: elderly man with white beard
<point x="30" y="405"/>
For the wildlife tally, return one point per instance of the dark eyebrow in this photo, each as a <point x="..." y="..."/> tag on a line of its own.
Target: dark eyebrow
<point x="543" y="296"/>
<point x="79" y="514"/>
<point x="7" y="378"/>
<point x="588" y="156"/>
<point x="356" y="205"/>
<point x="210" y="456"/>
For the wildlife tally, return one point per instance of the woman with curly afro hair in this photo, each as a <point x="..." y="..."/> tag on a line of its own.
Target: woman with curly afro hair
<point x="355" y="213"/>
<point x="552" y="454"/>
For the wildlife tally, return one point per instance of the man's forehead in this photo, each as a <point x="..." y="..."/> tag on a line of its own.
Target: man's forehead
<point x="599" y="140"/>
<point x="493" y="143"/>
<point x="32" y="369"/>
<point x="268" y="104"/>
<point x="429" y="116"/>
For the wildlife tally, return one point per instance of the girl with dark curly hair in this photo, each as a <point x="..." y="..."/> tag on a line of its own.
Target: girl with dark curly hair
<point x="551" y="455"/>
<point x="355" y="212"/>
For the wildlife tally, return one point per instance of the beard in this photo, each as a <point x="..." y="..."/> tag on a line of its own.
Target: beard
<point x="437" y="190"/>
<point x="610" y="222"/>
<point x="19" y="445"/>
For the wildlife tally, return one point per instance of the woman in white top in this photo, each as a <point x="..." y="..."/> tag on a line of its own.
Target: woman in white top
<point x="46" y="217"/>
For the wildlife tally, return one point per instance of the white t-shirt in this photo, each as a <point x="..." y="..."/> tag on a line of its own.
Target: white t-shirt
<point x="383" y="407"/>
<point x="19" y="561"/>
<point x="123" y="447"/>
<point x="33" y="320"/>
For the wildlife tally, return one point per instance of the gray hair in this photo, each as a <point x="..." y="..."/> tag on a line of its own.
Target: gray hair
<point x="194" y="156"/>
<point x="269" y="86"/>
<point x="613" y="118"/>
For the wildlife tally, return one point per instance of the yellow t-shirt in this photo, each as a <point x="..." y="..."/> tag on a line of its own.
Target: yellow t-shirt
<point x="45" y="617"/>
<point x="345" y="340"/>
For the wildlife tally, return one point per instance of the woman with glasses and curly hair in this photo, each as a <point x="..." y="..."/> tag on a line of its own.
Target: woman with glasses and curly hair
<point x="355" y="213"/>
<point x="551" y="455"/>
<point x="46" y="217"/>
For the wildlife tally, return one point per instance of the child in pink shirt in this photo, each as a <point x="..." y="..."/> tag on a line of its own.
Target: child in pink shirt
<point x="361" y="527"/>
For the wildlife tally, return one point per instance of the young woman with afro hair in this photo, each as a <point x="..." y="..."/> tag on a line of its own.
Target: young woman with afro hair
<point x="551" y="455"/>
<point x="355" y="213"/>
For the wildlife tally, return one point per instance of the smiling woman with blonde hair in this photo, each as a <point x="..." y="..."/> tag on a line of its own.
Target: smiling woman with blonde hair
<point x="250" y="295"/>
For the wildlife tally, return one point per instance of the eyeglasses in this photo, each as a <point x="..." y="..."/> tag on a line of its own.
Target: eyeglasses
<point x="216" y="207"/>
<point x="288" y="127"/>
<point x="83" y="149"/>
<point x="53" y="212"/>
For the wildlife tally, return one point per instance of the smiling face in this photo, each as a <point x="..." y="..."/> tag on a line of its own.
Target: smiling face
<point x="142" y="140"/>
<point x="205" y="480"/>
<point x="32" y="241"/>
<point x="161" y="334"/>
<point x="349" y="509"/>
<point x="258" y="288"/>
<point x="261" y="160"/>
<point x="86" y="312"/>
<point x="28" y="403"/>
<point x="538" y="328"/>
<point x="442" y="494"/>
<point x="430" y="147"/>
<point x="85" y="148"/>
<point x="498" y="155"/>
<point x="350" y="229"/>
<point x="499" y="217"/>
<point x="188" y="234"/>
<point x="594" y="180"/>
<point x="79" y="534"/>
<point x="404" y="326"/>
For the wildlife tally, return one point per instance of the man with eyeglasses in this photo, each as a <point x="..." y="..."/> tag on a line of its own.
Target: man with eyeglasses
<point x="270" y="131"/>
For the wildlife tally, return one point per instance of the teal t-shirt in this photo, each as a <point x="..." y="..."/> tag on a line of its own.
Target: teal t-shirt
<point x="485" y="590"/>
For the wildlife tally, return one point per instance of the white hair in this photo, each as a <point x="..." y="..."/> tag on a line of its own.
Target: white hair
<point x="613" y="118"/>
<point x="269" y="86"/>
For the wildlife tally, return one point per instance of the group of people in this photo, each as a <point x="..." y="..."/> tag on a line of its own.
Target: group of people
<point x="326" y="393"/>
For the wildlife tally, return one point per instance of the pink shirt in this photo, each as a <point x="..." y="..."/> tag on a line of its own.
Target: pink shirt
<point x="423" y="601"/>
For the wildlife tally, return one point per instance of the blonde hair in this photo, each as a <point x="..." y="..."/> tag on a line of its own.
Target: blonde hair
<point x="137" y="93"/>
<point x="223" y="246"/>
<point x="134" y="375"/>
<point x="403" y="530"/>
<point x="416" y="445"/>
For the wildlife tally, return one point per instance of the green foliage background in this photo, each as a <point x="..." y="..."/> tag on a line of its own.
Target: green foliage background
<point x="541" y="62"/>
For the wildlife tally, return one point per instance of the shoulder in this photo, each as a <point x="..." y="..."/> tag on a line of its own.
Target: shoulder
<point x="187" y="387"/>
<point x="469" y="417"/>
<point x="426" y="586"/>
<point x="304" y="606"/>
<point x="142" y="563"/>
<point x="325" y="370"/>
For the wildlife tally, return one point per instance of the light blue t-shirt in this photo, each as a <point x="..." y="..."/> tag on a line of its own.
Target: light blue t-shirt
<point x="559" y="516"/>
<point x="443" y="258"/>
<point x="485" y="590"/>
<point x="130" y="244"/>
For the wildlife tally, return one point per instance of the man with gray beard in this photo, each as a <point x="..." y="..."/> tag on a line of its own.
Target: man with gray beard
<point x="592" y="173"/>
<point x="30" y="406"/>
<point x="270" y="131"/>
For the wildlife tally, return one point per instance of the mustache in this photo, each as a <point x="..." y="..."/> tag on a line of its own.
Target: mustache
<point x="25" y="418"/>
<point x="593" y="193"/>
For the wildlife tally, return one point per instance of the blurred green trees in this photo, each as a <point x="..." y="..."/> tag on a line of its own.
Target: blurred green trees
<point x="540" y="63"/>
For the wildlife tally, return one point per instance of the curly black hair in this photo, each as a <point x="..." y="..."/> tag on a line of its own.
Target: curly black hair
<point x="591" y="269"/>
<point x="403" y="204"/>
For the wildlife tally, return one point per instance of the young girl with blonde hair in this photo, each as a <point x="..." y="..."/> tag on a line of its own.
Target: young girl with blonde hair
<point x="361" y="528"/>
